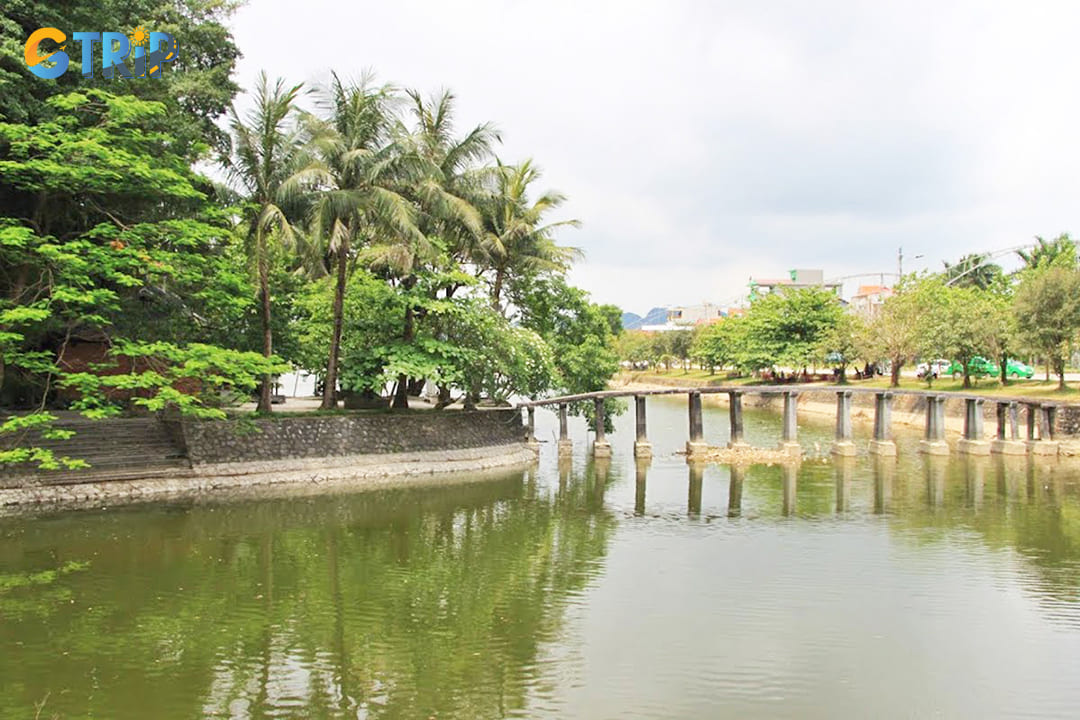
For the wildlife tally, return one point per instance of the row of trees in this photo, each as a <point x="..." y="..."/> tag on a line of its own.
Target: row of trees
<point x="430" y="259"/>
<point x="972" y="308"/>
<point x="359" y="237"/>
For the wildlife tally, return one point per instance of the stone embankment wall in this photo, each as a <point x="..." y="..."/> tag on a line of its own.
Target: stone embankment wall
<point x="135" y="460"/>
<point x="294" y="438"/>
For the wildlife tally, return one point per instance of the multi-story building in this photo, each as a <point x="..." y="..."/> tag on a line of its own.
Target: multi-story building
<point x="796" y="280"/>
<point x="867" y="301"/>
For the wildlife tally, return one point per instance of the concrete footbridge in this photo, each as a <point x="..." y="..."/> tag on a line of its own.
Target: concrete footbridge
<point x="1041" y="419"/>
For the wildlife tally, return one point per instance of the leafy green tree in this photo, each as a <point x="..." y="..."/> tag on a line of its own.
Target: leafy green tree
<point x="964" y="326"/>
<point x="843" y="343"/>
<point x="899" y="332"/>
<point x="113" y="240"/>
<point x="786" y="327"/>
<point x="1047" y="308"/>
<point x="580" y="333"/>
<point x="716" y="346"/>
<point x="265" y="149"/>
<point x="680" y="344"/>
<point x="633" y="346"/>
<point x="196" y="90"/>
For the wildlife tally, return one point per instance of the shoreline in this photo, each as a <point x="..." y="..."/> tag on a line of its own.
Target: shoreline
<point x="266" y="478"/>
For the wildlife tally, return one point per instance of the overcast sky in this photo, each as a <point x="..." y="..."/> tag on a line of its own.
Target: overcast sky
<point x="701" y="143"/>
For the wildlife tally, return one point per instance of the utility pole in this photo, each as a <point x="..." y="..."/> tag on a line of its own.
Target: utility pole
<point x="899" y="263"/>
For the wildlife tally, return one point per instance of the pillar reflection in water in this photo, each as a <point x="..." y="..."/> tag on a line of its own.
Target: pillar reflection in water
<point x="735" y="486"/>
<point x="790" y="472"/>
<point x="566" y="466"/>
<point x="693" y="503"/>
<point x="934" y="466"/>
<point x="975" y="480"/>
<point x="641" y="470"/>
<point x="845" y="468"/>
<point x="601" y="473"/>
<point x="884" y="472"/>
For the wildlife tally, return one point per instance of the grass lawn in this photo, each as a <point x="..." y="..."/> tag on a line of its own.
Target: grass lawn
<point x="986" y="386"/>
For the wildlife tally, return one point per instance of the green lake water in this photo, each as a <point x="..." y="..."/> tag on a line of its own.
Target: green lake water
<point x="904" y="589"/>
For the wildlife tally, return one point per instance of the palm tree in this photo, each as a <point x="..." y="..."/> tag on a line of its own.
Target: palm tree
<point x="1059" y="252"/>
<point x="351" y="172"/>
<point x="516" y="240"/>
<point x="974" y="270"/>
<point x="437" y="171"/>
<point x="452" y="181"/>
<point x="265" y="145"/>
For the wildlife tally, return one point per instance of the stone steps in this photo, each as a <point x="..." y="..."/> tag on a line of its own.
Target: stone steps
<point x="116" y="449"/>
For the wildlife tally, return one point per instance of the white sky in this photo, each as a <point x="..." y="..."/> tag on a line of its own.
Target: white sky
<point x="704" y="142"/>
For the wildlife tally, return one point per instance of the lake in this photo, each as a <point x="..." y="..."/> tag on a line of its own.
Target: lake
<point x="904" y="588"/>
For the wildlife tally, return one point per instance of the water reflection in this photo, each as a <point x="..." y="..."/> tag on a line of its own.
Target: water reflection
<point x="393" y="604"/>
<point x="564" y="592"/>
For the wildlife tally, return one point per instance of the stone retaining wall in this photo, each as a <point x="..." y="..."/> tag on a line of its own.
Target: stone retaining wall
<point x="288" y="438"/>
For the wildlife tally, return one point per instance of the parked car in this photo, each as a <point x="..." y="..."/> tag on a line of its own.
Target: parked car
<point x="1017" y="369"/>
<point x="977" y="367"/>
<point x="934" y="368"/>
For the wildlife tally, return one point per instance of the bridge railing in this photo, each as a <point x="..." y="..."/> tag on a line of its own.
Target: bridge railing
<point x="1039" y="440"/>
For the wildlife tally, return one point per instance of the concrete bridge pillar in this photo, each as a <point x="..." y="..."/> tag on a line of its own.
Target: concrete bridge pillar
<point x="642" y="446"/>
<point x="531" y="440"/>
<point x="843" y="445"/>
<point x="601" y="447"/>
<point x="696" y="445"/>
<point x="789" y="442"/>
<point x="1007" y="441"/>
<point x="1041" y="418"/>
<point x="933" y="442"/>
<point x="883" y="444"/>
<point x="566" y="447"/>
<point x="972" y="443"/>
<point x="735" y="419"/>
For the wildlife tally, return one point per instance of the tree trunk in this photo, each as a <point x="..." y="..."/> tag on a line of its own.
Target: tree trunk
<point x="894" y="376"/>
<point x="264" y="315"/>
<point x="401" y="395"/>
<point x="329" y="401"/>
<point x="967" y="376"/>
<point x="444" y="397"/>
<point x="496" y="289"/>
<point x="1004" y="369"/>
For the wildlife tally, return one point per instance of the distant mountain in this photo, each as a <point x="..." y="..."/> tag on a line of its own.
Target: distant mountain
<point x="633" y="321"/>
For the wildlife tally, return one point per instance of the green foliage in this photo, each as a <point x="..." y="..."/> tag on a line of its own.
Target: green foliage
<point x="194" y="91"/>
<point x="843" y="343"/>
<point x="193" y="380"/>
<point x="1047" y="308"/>
<point x="966" y="324"/>
<point x="581" y="335"/>
<point x="1059" y="252"/>
<point x="898" y="332"/>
